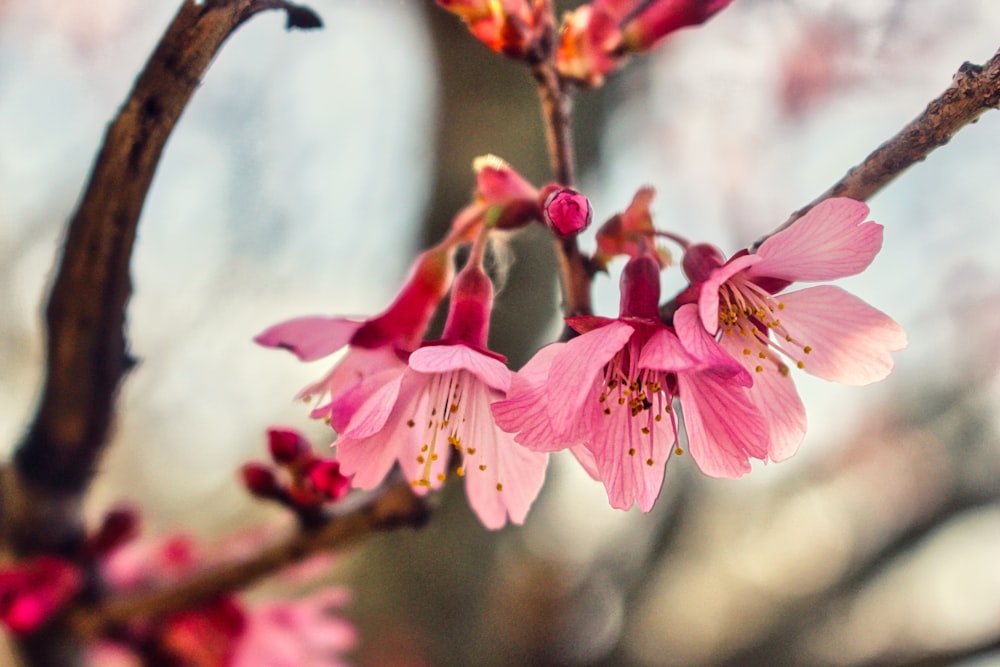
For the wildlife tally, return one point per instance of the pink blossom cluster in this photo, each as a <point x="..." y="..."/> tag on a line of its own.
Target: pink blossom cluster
<point x="593" y="40"/>
<point x="714" y="362"/>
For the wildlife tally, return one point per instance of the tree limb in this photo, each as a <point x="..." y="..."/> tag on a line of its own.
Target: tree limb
<point x="393" y="507"/>
<point x="974" y="90"/>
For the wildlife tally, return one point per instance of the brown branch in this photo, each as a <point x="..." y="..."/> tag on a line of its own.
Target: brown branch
<point x="974" y="90"/>
<point x="394" y="507"/>
<point x="85" y="316"/>
<point x="576" y="275"/>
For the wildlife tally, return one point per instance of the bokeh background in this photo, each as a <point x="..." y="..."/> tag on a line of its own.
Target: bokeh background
<point x="310" y="167"/>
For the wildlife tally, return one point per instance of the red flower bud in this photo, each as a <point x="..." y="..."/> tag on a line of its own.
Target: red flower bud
<point x="567" y="212"/>
<point x="327" y="480"/>
<point x="31" y="592"/>
<point x="260" y="480"/>
<point x="286" y="445"/>
<point x="120" y="525"/>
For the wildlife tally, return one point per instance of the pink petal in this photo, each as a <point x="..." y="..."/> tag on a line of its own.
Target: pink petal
<point x="575" y="370"/>
<point x="708" y="299"/>
<point x="310" y="338"/>
<point x="850" y="340"/>
<point x="362" y="410"/>
<point x="524" y="412"/>
<point x="631" y="478"/>
<point x="370" y="459"/>
<point x="664" y="352"/>
<point x="830" y="241"/>
<point x="775" y="397"/>
<point x="705" y="349"/>
<point x="586" y="459"/>
<point x="447" y="358"/>
<point x="502" y="478"/>
<point x="724" y="429"/>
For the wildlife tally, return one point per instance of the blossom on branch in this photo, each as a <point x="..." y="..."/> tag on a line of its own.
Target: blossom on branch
<point x="822" y="330"/>
<point x="439" y="402"/>
<point x="612" y="391"/>
<point x="31" y="592"/>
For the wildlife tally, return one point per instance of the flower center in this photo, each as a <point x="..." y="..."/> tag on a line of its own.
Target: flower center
<point x="749" y="311"/>
<point x="643" y="393"/>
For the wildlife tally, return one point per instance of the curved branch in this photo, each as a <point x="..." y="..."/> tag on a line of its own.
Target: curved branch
<point x="394" y="507"/>
<point x="85" y="317"/>
<point x="974" y="90"/>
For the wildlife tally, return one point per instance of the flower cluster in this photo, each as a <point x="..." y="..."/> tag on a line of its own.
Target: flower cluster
<point x="302" y="481"/>
<point x="593" y="40"/>
<point x="714" y="362"/>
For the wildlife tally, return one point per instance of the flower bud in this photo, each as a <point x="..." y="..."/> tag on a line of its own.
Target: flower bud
<point x="567" y="212"/>
<point x="286" y="445"/>
<point x="327" y="480"/>
<point x="260" y="480"/>
<point x="119" y="526"/>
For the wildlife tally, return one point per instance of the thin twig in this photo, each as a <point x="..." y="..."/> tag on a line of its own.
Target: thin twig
<point x="575" y="273"/>
<point x="974" y="90"/>
<point x="394" y="507"/>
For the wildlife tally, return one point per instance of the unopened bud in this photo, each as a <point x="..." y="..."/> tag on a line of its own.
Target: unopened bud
<point x="260" y="480"/>
<point x="326" y="478"/>
<point x="119" y="526"/>
<point x="286" y="445"/>
<point x="567" y="212"/>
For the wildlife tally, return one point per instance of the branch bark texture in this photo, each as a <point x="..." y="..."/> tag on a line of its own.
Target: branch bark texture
<point x="975" y="89"/>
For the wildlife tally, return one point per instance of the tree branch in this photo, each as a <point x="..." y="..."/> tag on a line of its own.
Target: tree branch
<point x="974" y="90"/>
<point x="85" y="316"/>
<point x="393" y="507"/>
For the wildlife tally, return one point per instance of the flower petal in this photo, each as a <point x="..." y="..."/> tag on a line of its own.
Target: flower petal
<point x="831" y="241"/>
<point x="362" y="410"/>
<point x="524" y="412"/>
<point x="575" y="370"/>
<point x="709" y="354"/>
<point x="446" y="358"/>
<point x="632" y="463"/>
<point x="708" y="299"/>
<point x="724" y="429"/>
<point x="502" y="478"/>
<point x="310" y="338"/>
<point x="850" y="341"/>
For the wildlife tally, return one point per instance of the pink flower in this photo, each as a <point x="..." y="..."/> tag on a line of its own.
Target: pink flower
<point x="376" y="347"/>
<point x="612" y="390"/>
<point x="297" y="633"/>
<point x="509" y="27"/>
<point x="32" y="591"/>
<point x="822" y="330"/>
<point x="441" y="401"/>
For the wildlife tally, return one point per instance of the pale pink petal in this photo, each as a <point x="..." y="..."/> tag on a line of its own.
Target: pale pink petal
<point x="447" y="358"/>
<point x="775" y="397"/>
<point x="586" y="459"/>
<point x="708" y="299"/>
<point x="524" y="412"/>
<point x="370" y="459"/>
<point x="575" y="371"/>
<point x="310" y="338"/>
<point x="361" y="411"/>
<point x="703" y="347"/>
<point x="502" y="478"/>
<point x="724" y="429"/>
<point x="634" y="478"/>
<point x="850" y="341"/>
<point x="664" y="352"/>
<point x="830" y="241"/>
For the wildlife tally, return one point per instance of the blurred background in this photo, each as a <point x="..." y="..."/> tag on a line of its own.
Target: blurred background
<point x="310" y="167"/>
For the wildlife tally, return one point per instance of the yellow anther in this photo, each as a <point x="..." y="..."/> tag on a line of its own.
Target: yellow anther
<point x="807" y="349"/>
<point x="470" y="451"/>
<point x="645" y="430"/>
<point x="746" y="350"/>
<point x="678" y="451"/>
<point x="482" y="467"/>
<point x="440" y="476"/>
<point x="649" y="462"/>
<point x="762" y="355"/>
<point x="424" y="448"/>
<point x="460" y="471"/>
<point x="759" y="369"/>
<point x="421" y="459"/>
<point x="410" y="423"/>
<point x="800" y="364"/>
<point x="631" y="451"/>
<point x="499" y="486"/>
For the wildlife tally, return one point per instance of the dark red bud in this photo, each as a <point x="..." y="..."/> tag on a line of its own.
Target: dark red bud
<point x="120" y="525"/>
<point x="286" y="445"/>
<point x="260" y="480"/>
<point x="567" y="212"/>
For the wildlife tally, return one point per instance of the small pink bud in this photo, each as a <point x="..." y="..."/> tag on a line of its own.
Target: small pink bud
<point x="287" y="446"/>
<point x="700" y="259"/>
<point x="567" y="212"/>
<point x="260" y="480"/>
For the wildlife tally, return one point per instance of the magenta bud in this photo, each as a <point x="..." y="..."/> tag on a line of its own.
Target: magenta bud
<point x="260" y="480"/>
<point x="567" y="212"/>
<point x="120" y="525"/>
<point x="286" y="445"/>
<point x="326" y="478"/>
<point x="640" y="288"/>
<point x="700" y="259"/>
